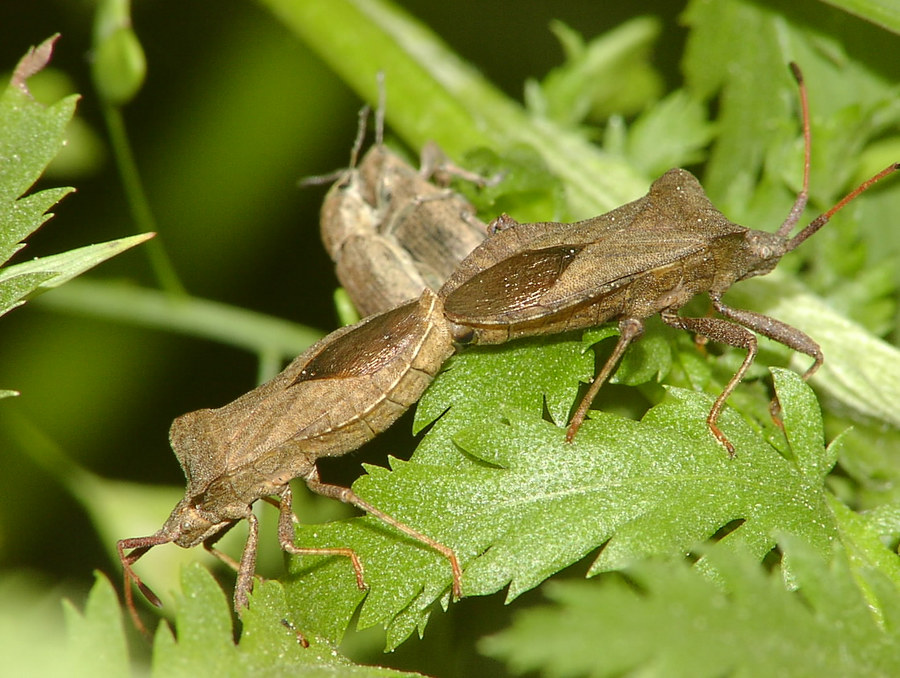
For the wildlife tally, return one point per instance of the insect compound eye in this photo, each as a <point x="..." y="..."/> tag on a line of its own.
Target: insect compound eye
<point x="462" y="334"/>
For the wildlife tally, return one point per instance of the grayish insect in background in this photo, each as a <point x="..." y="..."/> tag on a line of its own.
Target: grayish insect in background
<point x="393" y="230"/>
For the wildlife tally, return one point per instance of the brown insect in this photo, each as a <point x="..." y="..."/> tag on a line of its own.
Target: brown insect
<point x="340" y="393"/>
<point x="391" y="230"/>
<point x="650" y="256"/>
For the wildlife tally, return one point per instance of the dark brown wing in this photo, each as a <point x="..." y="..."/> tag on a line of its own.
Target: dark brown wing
<point x="522" y="273"/>
<point x="533" y="283"/>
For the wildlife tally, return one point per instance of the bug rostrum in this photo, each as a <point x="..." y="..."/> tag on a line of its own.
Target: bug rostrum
<point x="337" y="395"/>
<point x="649" y="256"/>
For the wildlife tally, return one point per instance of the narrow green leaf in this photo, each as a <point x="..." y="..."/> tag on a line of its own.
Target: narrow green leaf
<point x="39" y="275"/>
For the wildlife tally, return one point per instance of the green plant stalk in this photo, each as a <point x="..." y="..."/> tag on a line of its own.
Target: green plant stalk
<point x="137" y="200"/>
<point x="446" y="100"/>
<point x="884" y="13"/>
<point x="187" y="315"/>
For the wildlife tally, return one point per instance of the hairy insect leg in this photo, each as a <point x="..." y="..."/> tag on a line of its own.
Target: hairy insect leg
<point x="348" y="496"/>
<point x="629" y="330"/>
<point x="434" y="164"/>
<point x="781" y="332"/>
<point x="286" y="521"/>
<point x="209" y="545"/>
<point x="247" y="567"/>
<point x="725" y="332"/>
<point x="344" y="174"/>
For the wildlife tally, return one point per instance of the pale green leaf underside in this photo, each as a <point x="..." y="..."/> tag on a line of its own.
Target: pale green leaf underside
<point x="673" y="622"/>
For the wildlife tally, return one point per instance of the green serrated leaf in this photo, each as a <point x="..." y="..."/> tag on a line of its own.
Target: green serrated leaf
<point x="673" y="133"/>
<point x="500" y="485"/>
<point x="524" y="376"/>
<point x="96" y="638"/>
<point x="20" y="218"/>
<point x="15" y="288"/>
<point x="269" y="645"/>
<point x="862" y="538"/>
<point x="31" y="135"/>
<point x="588" y="85"/>
<point x="668" y="620"/>
<point x="649" y="359"/>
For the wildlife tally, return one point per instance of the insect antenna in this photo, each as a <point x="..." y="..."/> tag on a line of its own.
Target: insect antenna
<point x="803" y="197"/>
<point x="823" y="219"/>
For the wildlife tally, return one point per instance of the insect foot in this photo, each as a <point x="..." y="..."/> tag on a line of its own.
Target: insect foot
<point x="390" y="229"/>
<point x="340" y="393"/>
<point x="650" y="256"/>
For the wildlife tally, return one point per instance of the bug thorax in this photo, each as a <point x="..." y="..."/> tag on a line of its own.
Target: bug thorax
<point x="760" y="252"/>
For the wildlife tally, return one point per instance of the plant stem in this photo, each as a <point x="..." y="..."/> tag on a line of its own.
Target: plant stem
<point x="137" y="201"/>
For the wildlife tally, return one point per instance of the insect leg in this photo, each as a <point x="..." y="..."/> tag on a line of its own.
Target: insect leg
<point x="348" y="496"/>
<point x="725" y="332"/>
<point x="434" y="164"/>
<point x="209" y="545"/>
<point x="782" y="333"/>
<point x="140" y="546"/>
<point x="247" y="566"/>
<point x="775" y="329"/>
<point x="286" y="538"/>
<point x="629" y="330"/>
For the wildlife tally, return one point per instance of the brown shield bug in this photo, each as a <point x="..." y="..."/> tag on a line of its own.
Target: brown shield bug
<point x="650" y="256"/>
<point x="340" y="393"/>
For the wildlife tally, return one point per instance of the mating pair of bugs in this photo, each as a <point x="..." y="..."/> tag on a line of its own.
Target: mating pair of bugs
<point x="392" y="234"/>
